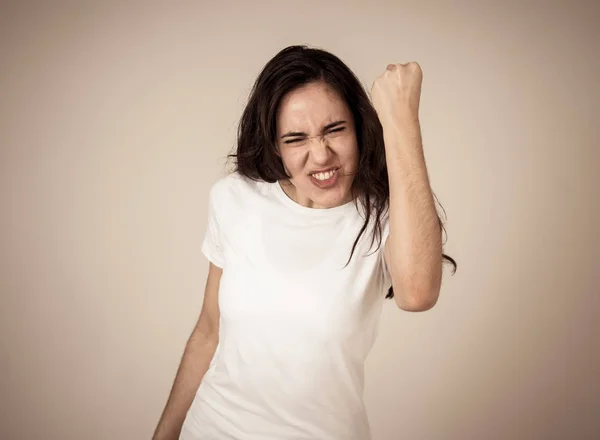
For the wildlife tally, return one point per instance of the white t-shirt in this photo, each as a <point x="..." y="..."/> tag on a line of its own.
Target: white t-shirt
<point x="296" y="325"/>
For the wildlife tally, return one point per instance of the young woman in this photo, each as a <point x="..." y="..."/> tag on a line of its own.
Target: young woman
<point x="329" y="211"/>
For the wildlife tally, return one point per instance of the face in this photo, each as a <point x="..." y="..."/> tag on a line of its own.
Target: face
<point x="316" y="138"/>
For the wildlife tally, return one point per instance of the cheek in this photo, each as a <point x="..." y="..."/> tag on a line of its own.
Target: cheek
<point x="349" y="153"/>
<point x="293" y="161"/>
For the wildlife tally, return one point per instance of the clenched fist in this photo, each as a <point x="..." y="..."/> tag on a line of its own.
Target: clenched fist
<point x="396" y="93"/>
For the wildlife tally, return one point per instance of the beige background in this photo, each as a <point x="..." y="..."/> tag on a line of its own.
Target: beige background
<point x="115" y="119"/>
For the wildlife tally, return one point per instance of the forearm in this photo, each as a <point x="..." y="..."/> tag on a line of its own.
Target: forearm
<point x="415" y="241"/>
<point x="196" y="359"/>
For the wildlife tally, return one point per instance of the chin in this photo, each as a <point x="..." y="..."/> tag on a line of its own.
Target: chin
<point x="329" y="195"/>
<point x="332" y="197"/>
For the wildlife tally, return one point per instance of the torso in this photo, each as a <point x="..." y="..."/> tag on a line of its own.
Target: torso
<point x="296" y="322"/>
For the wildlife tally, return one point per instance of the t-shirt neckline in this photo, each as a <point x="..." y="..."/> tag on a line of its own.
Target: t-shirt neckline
<point x="281" y="194"/>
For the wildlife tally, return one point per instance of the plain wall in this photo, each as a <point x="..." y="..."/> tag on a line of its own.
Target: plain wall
<point x="115" y="119"/>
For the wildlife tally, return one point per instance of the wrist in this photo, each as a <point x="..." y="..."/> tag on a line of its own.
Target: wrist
<point x="404" y="119"/>
<point x="401" y="127"/>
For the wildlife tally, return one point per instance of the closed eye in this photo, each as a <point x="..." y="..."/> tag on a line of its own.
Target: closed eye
<point x="292" y="141"/>
<point x="296" y="140"/>
<point x="298" y="136"/>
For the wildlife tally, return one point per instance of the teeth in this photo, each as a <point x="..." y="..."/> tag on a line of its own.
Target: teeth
<point x="324" y="176"/>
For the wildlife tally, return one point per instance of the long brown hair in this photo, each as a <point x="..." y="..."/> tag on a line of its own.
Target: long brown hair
<point x="257" y="155"/>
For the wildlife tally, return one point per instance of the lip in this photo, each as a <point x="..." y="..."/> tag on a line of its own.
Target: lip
<point x="324" y="170"/>
<point x="326" y="184"/>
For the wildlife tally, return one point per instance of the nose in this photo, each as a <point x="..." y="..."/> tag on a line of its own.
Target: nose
<point x="320" y="153"/>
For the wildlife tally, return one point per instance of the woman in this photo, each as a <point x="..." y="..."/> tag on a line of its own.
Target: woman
<point x="329" y="209"/>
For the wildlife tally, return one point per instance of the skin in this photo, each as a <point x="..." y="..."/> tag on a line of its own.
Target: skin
<point x="199" y="351"/>
<point x="413" y="250"/>
<point x="306" y="144"/>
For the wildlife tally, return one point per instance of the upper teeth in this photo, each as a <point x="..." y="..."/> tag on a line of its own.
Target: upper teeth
<point x="324" y="176"/>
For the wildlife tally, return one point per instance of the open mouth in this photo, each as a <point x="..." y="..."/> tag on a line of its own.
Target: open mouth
<point x="325" y="179"/>
<point x="325" y="175"/>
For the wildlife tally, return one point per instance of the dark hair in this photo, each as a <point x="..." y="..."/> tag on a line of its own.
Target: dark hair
<point x="257" y="156"/>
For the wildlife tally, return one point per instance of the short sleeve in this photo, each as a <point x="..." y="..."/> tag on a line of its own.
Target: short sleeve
<point x="212" y="246"/>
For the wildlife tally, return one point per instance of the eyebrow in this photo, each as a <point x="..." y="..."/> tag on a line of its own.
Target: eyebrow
<point x="300" y="133"/>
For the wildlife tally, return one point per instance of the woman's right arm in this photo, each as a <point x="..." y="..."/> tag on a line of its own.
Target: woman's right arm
<point x="199" y="351"/>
